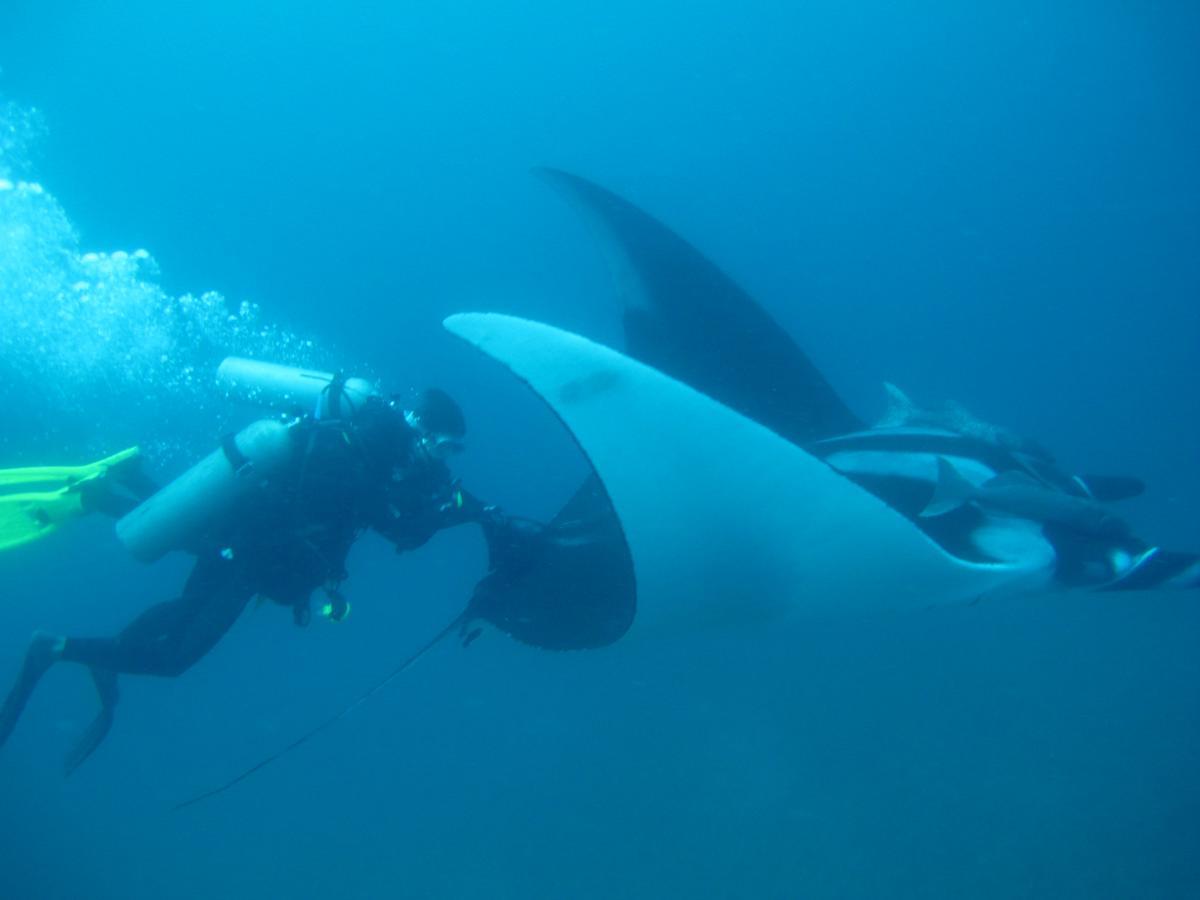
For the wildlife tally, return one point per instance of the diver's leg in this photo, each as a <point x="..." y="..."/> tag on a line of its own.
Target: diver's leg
<point x="137" y="650"/>
<point x="169" y="638"/>
<point x="164" y="640"/>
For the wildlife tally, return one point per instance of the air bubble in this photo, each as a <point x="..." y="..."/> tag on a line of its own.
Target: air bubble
<point x="87" y="332"/>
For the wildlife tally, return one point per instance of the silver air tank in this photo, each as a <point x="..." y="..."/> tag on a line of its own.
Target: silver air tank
<point x="177" y="517"/>
<point x="320" y="394"/>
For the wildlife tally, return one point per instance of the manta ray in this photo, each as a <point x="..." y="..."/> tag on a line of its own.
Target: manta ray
<point x="731" y="484"/>
<point x="731" y="481"/>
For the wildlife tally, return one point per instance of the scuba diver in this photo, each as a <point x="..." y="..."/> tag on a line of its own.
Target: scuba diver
<point x="272" y="513"/>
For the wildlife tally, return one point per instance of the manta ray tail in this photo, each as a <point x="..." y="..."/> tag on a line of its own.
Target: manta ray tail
<point x="457" y="623"/>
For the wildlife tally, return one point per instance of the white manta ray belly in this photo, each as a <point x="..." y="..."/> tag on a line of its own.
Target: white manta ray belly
<point x="725" y="520"/>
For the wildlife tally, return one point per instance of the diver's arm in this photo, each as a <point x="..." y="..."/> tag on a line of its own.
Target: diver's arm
<point x="413" y="513"/>
<point x="512" y="541"/>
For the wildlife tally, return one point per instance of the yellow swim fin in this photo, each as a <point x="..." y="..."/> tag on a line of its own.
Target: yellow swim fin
<point x="61" y="476"/>
<point x="36" y="500"/>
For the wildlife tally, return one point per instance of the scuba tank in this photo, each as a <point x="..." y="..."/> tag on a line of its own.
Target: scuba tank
<point x="178" y="515"/>
<point x="320" y="394"/>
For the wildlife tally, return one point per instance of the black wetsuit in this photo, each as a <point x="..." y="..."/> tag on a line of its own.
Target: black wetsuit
<point x="284" y="542"/>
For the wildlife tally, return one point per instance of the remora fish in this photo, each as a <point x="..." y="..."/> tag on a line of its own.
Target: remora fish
<point x="1018" y="494"/>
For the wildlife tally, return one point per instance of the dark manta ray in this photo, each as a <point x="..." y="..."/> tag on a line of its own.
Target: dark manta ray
<point x="727" y="466"/>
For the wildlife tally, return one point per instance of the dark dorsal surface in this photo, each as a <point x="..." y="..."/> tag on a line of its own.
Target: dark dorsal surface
<point x="685" y="317"/>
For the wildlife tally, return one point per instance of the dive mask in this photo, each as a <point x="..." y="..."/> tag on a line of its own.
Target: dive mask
<point x="435" y="445"/>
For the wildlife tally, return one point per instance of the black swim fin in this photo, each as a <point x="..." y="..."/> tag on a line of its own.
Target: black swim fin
<point x="106" y="689"/>
<point x="43" y="652"/>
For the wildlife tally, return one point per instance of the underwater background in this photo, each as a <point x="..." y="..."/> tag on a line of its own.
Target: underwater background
<point x="996" y="204"/>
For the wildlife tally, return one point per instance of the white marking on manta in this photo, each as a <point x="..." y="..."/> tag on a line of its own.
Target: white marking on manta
<point x="725" y="520"/>
<point x="917" y="466"/>
<point x="886" y="430"/>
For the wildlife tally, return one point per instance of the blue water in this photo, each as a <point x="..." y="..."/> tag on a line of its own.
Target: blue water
<point x="995" y="206"/>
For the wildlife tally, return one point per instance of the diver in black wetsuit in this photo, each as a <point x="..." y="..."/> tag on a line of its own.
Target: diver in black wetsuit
<point x="381" y="468"/>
